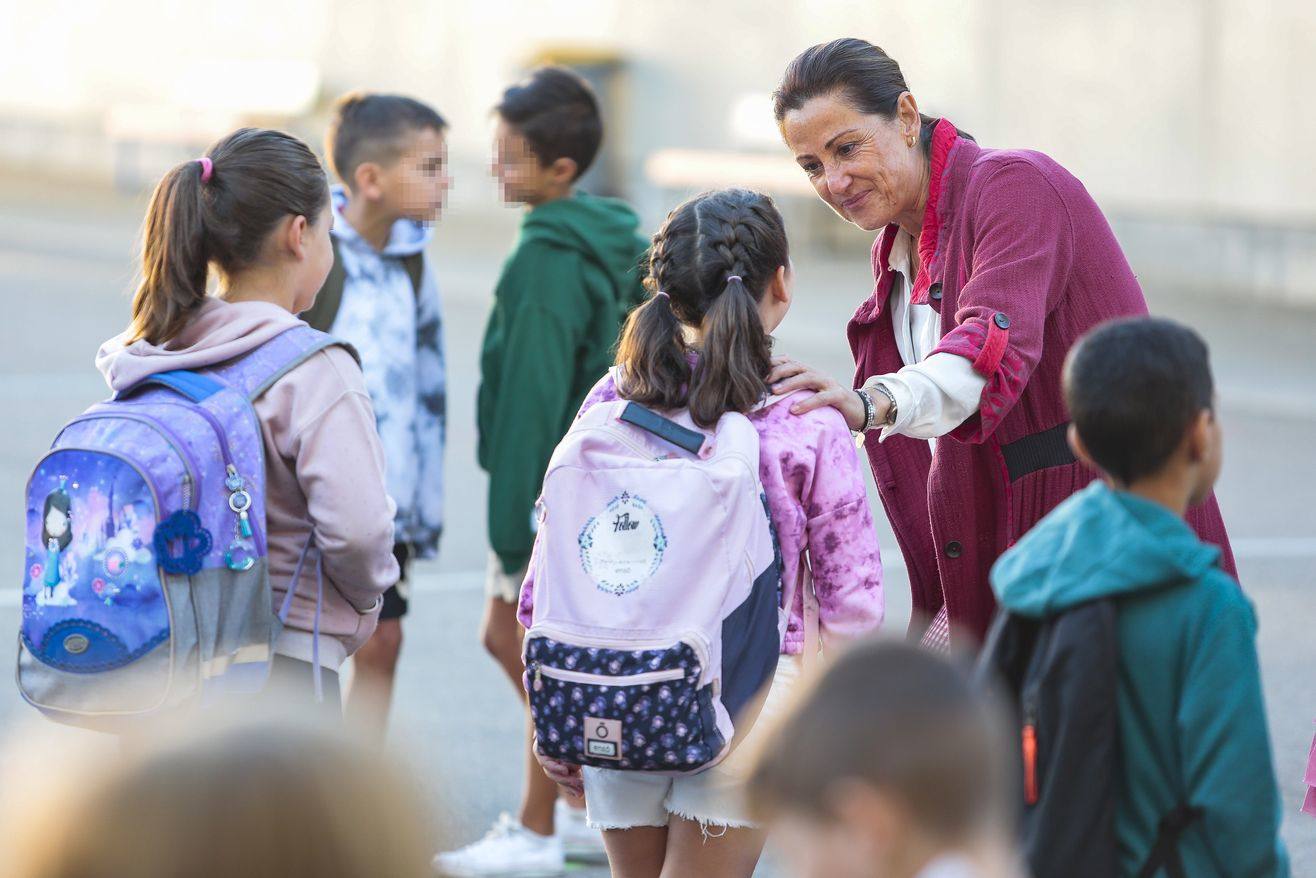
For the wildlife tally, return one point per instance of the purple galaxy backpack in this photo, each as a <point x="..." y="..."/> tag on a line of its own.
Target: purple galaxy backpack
<point x="146" y="584"/>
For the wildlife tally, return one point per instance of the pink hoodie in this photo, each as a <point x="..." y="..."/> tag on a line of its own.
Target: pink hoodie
<point x="324" y="469"/>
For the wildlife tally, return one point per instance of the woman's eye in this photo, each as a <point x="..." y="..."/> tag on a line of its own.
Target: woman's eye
<point x="812" y="169"/>
<point x="846" y="150"/>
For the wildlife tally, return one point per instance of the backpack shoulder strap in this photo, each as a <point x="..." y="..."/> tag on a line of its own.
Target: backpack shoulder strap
<point x="414" y="263"/>
<point x="1165" y="851"/>
<point x="253" y="373"/>
<point x="321" y="315"/>
<point x="195" y="386"/>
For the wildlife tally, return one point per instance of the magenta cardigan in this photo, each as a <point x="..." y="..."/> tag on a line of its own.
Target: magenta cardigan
<point x="1020" y="262"/>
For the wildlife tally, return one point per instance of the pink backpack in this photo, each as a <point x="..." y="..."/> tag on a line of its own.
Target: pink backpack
<point x="657" y="616"/>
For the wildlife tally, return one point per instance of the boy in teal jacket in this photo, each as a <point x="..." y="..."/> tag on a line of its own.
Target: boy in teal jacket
<point x="563" y="295"/>
<point x="1192" y="720"/>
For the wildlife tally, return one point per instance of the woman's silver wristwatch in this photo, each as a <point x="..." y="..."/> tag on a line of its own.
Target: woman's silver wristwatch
<point x="892" y="409"/>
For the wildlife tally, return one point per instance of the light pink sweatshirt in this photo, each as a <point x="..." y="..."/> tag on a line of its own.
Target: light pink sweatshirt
<point x="324" y="469"/>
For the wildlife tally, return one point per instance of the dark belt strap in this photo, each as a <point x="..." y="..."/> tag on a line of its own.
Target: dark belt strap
<point x="1038" y="451"/>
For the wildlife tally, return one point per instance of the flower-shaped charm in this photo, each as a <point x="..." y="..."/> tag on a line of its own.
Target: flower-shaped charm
<point x="181" y="543"/>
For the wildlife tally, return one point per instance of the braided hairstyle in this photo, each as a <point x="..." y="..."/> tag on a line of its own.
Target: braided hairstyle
<point x="709" y="266"/>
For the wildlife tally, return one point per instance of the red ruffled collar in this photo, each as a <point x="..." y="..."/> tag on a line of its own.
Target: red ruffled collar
<point x="944" y="135"/>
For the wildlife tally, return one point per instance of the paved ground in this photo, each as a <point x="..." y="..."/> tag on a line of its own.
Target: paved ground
<point x="65" y="273"/>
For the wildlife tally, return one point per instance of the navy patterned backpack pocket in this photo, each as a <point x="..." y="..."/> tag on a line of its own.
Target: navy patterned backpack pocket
<point x="628" y="709"/>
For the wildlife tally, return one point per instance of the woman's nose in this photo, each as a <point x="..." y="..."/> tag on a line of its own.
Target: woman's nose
<point x="838" y="181"/>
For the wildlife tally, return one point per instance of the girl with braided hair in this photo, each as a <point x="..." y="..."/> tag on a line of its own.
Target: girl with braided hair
<point x="720" y="283"/>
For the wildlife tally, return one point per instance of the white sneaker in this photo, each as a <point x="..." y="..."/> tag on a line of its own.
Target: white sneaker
<point x="579" y="841"/>
<point x="509" y="850"/>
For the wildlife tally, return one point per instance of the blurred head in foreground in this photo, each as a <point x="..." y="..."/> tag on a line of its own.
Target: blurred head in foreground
<point x="889" y="763"/>
<point x="255" y="800"/>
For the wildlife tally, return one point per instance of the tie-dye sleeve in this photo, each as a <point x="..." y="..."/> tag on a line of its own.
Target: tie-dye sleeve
<point x="842" y="540"/>
<point x="525" y="606"/>
<point x="604" y="390"/>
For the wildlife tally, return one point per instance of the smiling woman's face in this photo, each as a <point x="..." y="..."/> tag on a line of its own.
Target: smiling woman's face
<point x="864" y="166"/>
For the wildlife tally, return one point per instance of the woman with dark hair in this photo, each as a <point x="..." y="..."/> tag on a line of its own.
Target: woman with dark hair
<point x="988" y="266"/>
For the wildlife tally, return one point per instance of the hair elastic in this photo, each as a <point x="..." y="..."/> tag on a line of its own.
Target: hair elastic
<point x="663" y="295"/>
<point x="207" y="168"/>
<point x="735" y="277"/>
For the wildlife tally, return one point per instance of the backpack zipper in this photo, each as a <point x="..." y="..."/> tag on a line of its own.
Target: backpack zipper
<point x="693" y="639"/>
<point x="541" y="670"/>
<point x="648" y="455"/>
<point x="230" y="468"/>
<point x="190" y="485"/>
<point x="630" y="443"/>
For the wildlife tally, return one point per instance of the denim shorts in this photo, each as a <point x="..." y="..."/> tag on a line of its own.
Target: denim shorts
<point x="713" y="798"/>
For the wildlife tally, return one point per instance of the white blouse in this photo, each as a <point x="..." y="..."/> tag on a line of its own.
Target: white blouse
<point x="934" y="394"/>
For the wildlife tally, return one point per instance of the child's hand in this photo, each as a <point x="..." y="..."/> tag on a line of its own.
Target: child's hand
<point x="564" y="774"/>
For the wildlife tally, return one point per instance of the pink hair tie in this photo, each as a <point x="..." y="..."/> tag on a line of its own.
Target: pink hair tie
<point x="735" y="277"/>
<point x="664" y="295"/>
<point x="207" y="168"/>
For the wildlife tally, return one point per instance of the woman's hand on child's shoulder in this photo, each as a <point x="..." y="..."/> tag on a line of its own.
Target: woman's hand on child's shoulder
<point x="790" y="375"/>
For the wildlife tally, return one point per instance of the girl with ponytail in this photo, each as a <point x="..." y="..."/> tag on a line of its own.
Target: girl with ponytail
<point x="720" y="283"/>
<point x="255" y="209"/>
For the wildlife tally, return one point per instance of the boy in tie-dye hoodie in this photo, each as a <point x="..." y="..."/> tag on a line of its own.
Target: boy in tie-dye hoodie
<point x="390" y="151"/>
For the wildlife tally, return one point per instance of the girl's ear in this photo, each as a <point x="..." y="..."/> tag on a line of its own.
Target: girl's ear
<point x="780" y="287"/>
<point x="297" y="236"/>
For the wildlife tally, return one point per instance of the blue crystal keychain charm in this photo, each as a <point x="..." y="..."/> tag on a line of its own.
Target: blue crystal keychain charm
<point x="240" y="555"/>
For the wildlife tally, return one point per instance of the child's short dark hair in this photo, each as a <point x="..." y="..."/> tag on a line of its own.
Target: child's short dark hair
<point x="556" y="111"/>
<point x="1133" y="388"/>
<point x="369" y="127"/>
<point x="902" y="720"/>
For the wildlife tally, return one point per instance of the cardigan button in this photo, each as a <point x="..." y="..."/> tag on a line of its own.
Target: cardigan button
<point x="934" y="292"/>
<point x="1001" y="320"/>
<point x="954" y="549"/>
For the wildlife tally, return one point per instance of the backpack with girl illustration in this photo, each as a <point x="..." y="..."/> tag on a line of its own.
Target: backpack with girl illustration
<point x="145" y="586"/>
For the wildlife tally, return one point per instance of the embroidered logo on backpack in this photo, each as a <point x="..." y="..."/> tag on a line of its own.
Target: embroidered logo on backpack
<point x="623" y="545"/>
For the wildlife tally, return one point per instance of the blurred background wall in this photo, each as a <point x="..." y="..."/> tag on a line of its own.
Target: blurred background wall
<point x="1190" y="120"/>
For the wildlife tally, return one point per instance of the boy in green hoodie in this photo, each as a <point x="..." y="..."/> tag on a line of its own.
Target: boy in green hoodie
<point x="1191" y="718"/>
<point x="561" y="299"/>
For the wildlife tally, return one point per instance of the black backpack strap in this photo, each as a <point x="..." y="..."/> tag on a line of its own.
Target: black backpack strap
<point x="1165" y="852"/>
<point x="321" y="315"/>
<point x="415" y="266"/>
